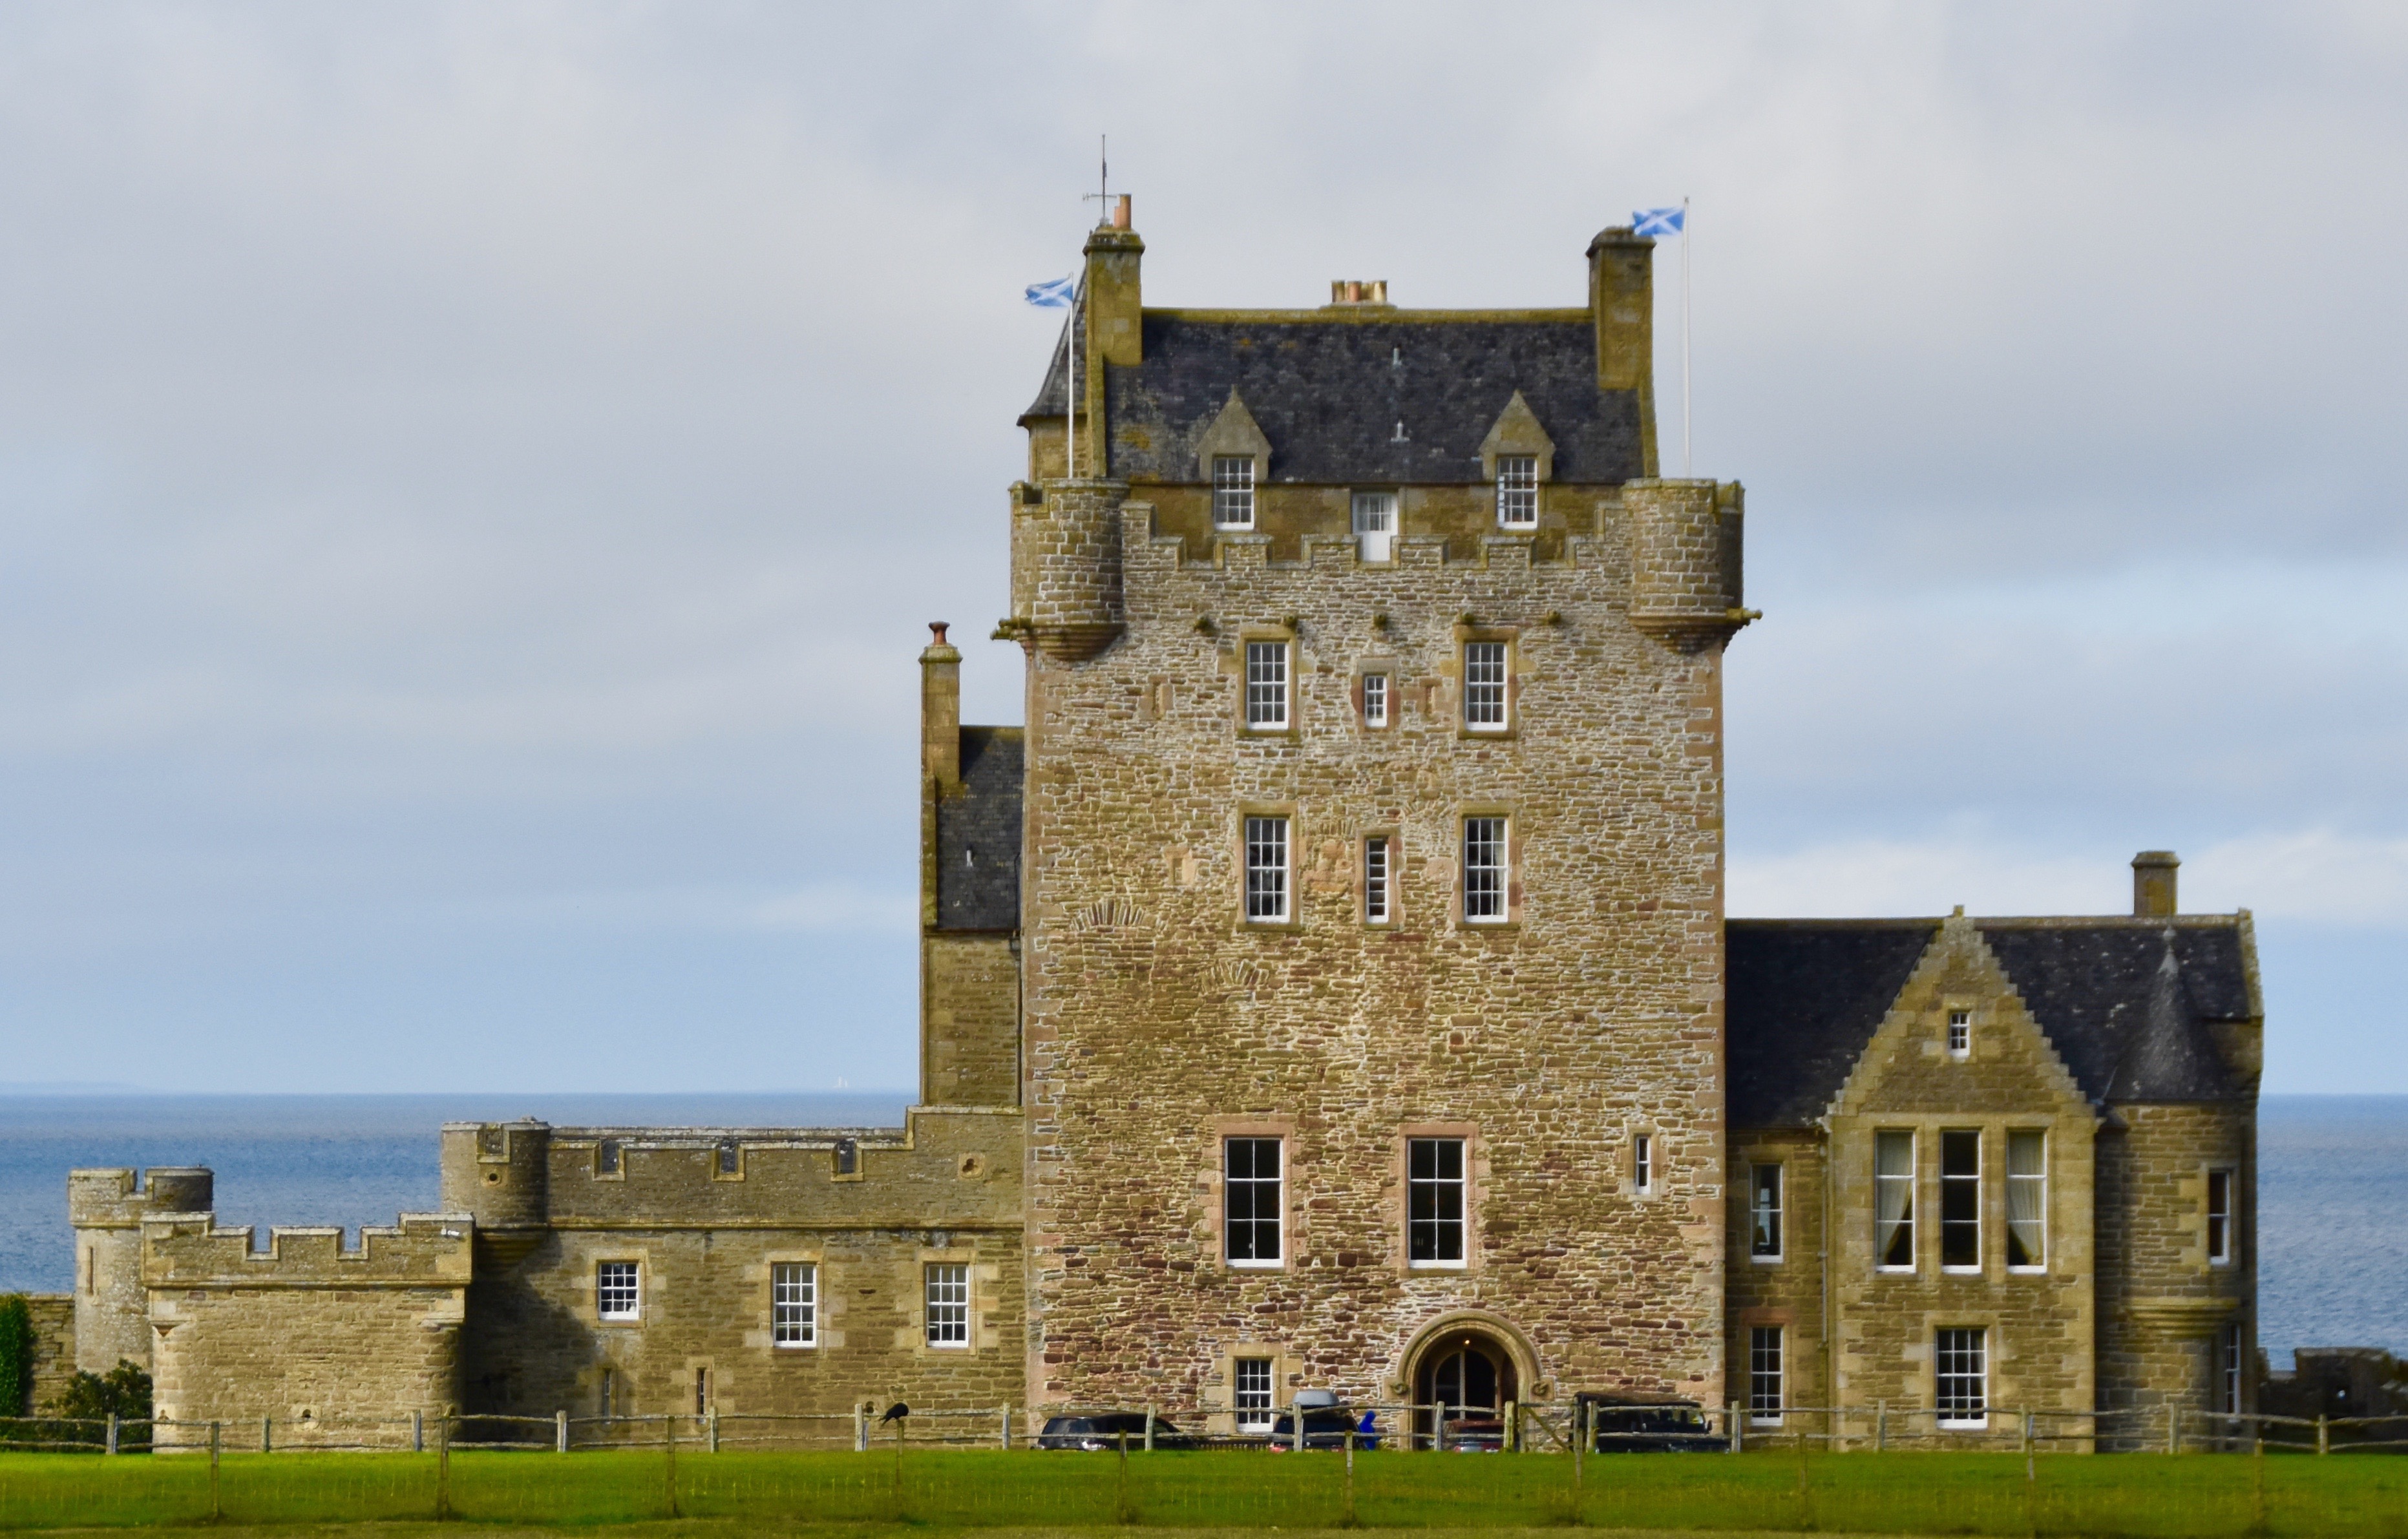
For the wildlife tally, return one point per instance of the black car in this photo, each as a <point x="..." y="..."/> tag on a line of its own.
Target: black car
<point x="1324" y="1427"/>
<point x="1650" y="1424"/>
<point x="1102" y="1431"/>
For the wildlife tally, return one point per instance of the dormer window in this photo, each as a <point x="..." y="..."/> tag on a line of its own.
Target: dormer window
<point x="1517" y="490"/>
<point x="1233" y="491"/>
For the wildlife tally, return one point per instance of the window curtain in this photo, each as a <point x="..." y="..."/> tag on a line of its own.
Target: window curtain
<point x="1893" y="1191"/>
<point x="2027" y="1199"/>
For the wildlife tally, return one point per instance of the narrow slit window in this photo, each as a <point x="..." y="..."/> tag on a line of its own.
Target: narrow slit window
<point x="1375" y="700"/>
<point x="1894" y="1200"/>
<point x="618" y="1290"/>
<point x="2219" y="1217"/>
<point x="794" y="1304"/>
<point x="1961" y="1377"/>
<point x="731" y="1157"/>
<point x="948" y="1305"/>
<point x="606" y="1157"/>
<point x="1642" y="1162"/>
<point x="1435" y="1182"/>
<point x="1483" y="686"/>
<point x="1250" y="1195"/>
<point x="1960" y="1199"/>
<point x="1267" y="870"/>
<point x="1266" y="702"/>
<point x="1233" y="491"/>
<point x="1253" y="1394"/>
<point x="2026" y="1201"/>
<point x="1764" y="1376"/>
<point x="1960" y="1033"/>
<point x="1517" y="490"/>
<point x="1375" y="879"/>
<point x="1764" y="1213"/>
<point x="1484" y="870"/>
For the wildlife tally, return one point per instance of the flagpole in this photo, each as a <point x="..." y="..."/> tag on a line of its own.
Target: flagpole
<point x="1684" y="337"/>
<point x="1070" y="402"/>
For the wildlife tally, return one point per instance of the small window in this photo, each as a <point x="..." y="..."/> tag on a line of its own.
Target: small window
<point x="618" y="1291"/>
<point x="1253" y="1394"/>
<point x="1375" y="879"/>
<point x="1267" y="870"/>
<point x="1764" y="1213"/>
<point x="1960" y="1033"/>
<point x="702" y="1391"/>
<point x="794" y="1304"/>
<point x="608" y="1395"/>
<point x="948" y="1305"/>
<point x="1484" y="870"/>
<point x="1375" y="525"/>
<point x="847" y="1157"/>
<point x="606" y="1157"/>
<point x="1960" y="1199"/>
<point x="1435" y="1224"/>
<point x="1375" y="700"/>
<point x="1642" y="1162"/>
<point x="2026" y="1201"/>
<point x="1250" y="1198"/>
<point x="1894" y="1200"/>
<point x="2219" y="1217"/>
<point x="2229" y="1365"/>
<point x="1483" y="686"/>
<point x="1233" y="491"/>
<point x="1266" y="702"/>
<point x="731" y="1158"/>
<point x="1517" y="490"/>
<point x="1961" y="1377"/>
<point x="1764" y="1376"/>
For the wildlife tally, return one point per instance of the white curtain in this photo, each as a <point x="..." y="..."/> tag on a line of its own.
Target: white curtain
<point x="2026" y="1198"/>
<point x="1893" y="1190"/>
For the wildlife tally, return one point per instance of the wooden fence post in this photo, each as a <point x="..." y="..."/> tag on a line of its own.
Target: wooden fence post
<point x="443" y="1465"/>
<point x="1007" y="1428"/>
<point x="669" y="1459"/>
<point x="2173" y="1428"/>
<point x="1149" y="1427"/>
<point x="1881" y="1425"/>
<point x="560" y="1432"/>
<point x="217" y="1511"/>
<point x="112" y="1432"/>
<point x="1731" y="1426"/>
<point x="2324" y="1439"/>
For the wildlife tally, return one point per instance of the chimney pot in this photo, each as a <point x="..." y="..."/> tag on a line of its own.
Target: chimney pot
<point x="1121" y="212"/>
<point x="937" y="628"/>
<point x="2153" y="884"/>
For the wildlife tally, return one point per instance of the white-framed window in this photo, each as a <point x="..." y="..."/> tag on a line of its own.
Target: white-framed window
<point x="1266" y="883"/>
<point x="1517" y="490"/>
<point x="1764" y="1400"/>
<point x="1253" y="1397"/>
<point x="1375" y="525"/>
<point x="2027" y="1200"/>
<point x="1483" y="686"/>
<point x="618" y="1290"/>
<point x="1375" y="700"/>
<point x="1434" y="1185"/>
<point x="1960" y="1033"/>
<point x="1960" y="1199"/>
<point x="1642" y="1162"/>
<point x="1267" y="686"/>
<point x="2228" y="1389"/>
<point x="793" y="1305"/>
<point x="1484" y="870"/>
<point x="1764" y="1213"/>
<point x="1233" y="491"/>
<point x="1894" y="1202"/>
<point x="1251" y="1201"/>
<point x="1960" y="1360"/>
<point x="1375" y="878"/>
<point x="2219" y="1217"/>
<point x="949" y="1304"/>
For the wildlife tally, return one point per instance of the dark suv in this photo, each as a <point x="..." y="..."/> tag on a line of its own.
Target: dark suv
<point x="1101" y="1431"/>
<point x="1324" y="1427"/>
<point x="1650" y="1424"/>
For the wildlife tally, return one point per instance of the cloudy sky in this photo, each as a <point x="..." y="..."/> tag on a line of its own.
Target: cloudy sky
<point x="473" y="477"/>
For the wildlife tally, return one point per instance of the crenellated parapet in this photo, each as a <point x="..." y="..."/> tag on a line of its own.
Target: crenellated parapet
<point x="420" y="1251"/>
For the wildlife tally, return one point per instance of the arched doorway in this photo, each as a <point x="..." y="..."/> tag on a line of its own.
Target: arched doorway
<point x="1463" y="1382"/>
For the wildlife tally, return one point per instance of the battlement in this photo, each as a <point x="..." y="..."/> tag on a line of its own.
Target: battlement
<point x="118" y="1197"/>
<point x="419" y="1251"/>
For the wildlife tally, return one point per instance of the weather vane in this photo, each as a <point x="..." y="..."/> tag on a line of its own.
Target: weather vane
<point x="1103" y="192"/>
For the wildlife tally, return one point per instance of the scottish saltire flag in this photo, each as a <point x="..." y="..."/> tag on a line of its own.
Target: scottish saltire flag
<point x="1647" y="222"/>
<point x="1054" y="295"/>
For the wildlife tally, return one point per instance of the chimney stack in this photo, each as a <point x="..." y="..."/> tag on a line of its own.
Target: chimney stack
<point x="1622" y="306"/>
<point x="2153" y="884"/>
<point x="941" y="710"/>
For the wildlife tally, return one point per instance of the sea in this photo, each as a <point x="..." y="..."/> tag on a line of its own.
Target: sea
<point x="2332" y="1177"/>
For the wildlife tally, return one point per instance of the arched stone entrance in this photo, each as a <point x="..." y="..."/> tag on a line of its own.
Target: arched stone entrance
<point x="1463" y="1372"/>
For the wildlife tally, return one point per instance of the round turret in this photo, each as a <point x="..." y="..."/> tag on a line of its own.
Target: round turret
<point x="1065" y="568"/>
<point x="1684" y="560"/>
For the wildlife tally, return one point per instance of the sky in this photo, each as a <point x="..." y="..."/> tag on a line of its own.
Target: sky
<point x="474" y="478"/>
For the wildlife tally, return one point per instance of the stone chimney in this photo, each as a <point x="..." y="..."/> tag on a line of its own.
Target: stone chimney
<point x="941" y="710"/>
<point x="1622" y="303"/>
<point x="2153" y="884"/>
<point x="1114" y="300"/>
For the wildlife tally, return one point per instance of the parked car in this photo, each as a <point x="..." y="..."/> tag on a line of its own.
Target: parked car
<point x="1473" y="1431"/>
<point x="1650" y="1424"/>
<point x="1325" y="1423"/>
<point x="1098" y="1433"/>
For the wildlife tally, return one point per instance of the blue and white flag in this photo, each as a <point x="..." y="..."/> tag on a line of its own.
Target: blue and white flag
<point x="1647" y="222"/>
<point x="1053" y="295"/>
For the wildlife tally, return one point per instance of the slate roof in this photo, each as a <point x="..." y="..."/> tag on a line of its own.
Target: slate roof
<point x="2125" y="1001"/>
<point x="977" y="834"/>
<point x="1329" y="390"/>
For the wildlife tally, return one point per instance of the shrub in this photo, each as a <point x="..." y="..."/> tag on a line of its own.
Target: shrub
<point x="123" y="1391"/>
<point x="16" y="1355"/>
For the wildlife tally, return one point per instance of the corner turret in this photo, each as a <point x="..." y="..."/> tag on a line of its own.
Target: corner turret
<point x="106" y="1208"/>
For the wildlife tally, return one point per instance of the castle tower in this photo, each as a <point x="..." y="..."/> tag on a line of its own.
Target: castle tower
<point x="1372" y="871"/>
<point x="106" y="1208"/>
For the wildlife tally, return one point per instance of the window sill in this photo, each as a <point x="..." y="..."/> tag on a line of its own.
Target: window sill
<point x="1255" y="1266"/>
<point x="1765" y="1261"/>
<point x="1269" y="927"/>
<point x="1755" y="1420"/>
<point x="2027" y="1271"/>
<point x="795" y="1345"/>
<point x="1979" y="1424"/>
<point x="1896" y="1270"/>
<point x="1438" y="1266"/>
<point x="1488" y="734"/>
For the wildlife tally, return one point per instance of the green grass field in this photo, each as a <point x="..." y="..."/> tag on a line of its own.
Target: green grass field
<point x="1919" y="1493"/>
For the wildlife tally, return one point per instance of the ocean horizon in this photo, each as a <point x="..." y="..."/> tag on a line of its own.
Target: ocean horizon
<point x="2332" y="1176"/>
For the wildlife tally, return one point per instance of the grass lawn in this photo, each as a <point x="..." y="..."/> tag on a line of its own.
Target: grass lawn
<point x="934" y="1491"/>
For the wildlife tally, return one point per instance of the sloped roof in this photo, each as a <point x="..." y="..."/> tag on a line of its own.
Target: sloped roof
<point x="1332" y="392"/>
<point x="977" y="834"/>
<point x="2126" y="1003"/>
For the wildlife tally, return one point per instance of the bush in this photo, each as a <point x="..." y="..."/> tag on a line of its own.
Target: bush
<point x="16" y="1355"/>
<point x="125" y="1391"/>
